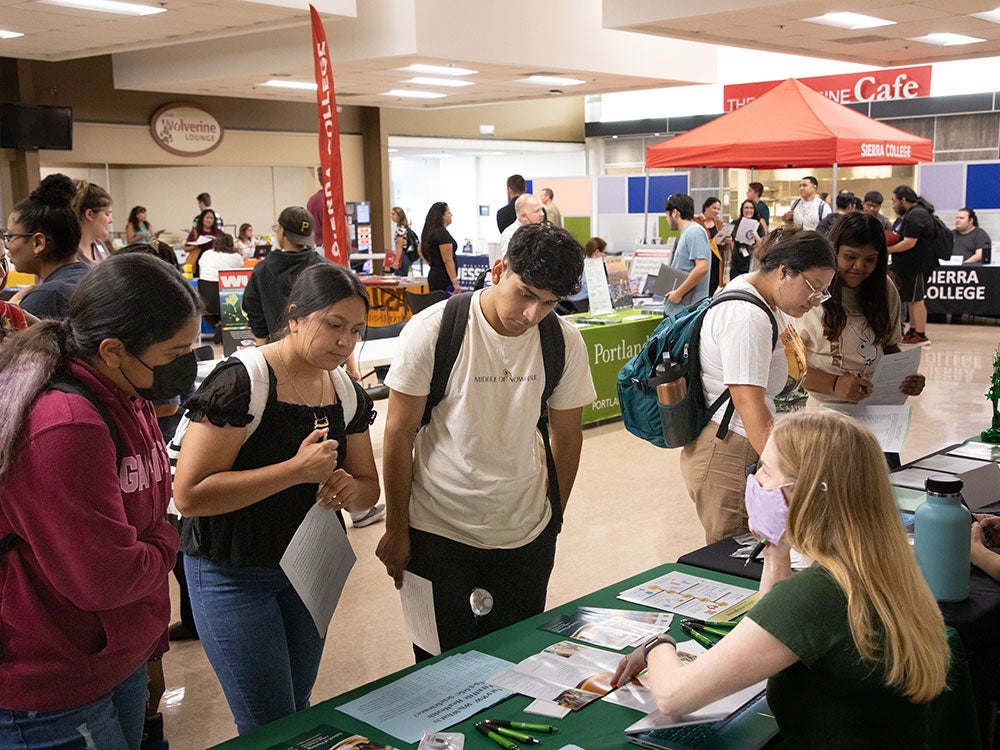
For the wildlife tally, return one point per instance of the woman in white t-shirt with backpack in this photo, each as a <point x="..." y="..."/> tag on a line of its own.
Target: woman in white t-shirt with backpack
<point x="401" y="266"/>
<point x="735" y="350"/>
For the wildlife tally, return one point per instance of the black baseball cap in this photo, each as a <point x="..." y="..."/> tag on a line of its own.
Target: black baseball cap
<point x="298" y="225"/>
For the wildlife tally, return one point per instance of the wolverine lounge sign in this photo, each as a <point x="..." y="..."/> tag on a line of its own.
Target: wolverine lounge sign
<point x="185" y="130"/>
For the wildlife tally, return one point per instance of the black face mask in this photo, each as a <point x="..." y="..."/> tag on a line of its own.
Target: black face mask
<point x="172" y="379"/>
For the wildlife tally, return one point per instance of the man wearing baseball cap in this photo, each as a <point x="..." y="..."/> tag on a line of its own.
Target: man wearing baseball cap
<point x="267" y="291"/>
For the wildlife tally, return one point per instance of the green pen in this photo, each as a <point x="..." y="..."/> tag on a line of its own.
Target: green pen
<point x="514" y="734"/>
<point x="522" y="725"/>
<point x="721" y="632"/>
<point x="704" y="640"/>
<point x="487" y="731"/>
<point x="730" y="624"/>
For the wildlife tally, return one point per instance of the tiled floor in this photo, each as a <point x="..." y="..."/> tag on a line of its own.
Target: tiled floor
<point x="629" y="512"/>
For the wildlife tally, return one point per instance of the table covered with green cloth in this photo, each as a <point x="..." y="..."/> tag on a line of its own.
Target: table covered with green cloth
<point x="609" y="347"/>
<point x="598" y="726"/>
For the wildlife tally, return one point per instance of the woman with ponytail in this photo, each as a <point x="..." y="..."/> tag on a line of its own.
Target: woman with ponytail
<point x="85" y="547"/>
<point x="42" y="237"/>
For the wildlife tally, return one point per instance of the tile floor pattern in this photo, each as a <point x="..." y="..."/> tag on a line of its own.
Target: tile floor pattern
<point x="629" y="511"/>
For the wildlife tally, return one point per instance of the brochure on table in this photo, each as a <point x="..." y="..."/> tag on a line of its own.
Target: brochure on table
<point x="646" y="262"/>
<point x="611" y="628"/>
<point x="690" y="596"/>
<point x="597" y="286"/>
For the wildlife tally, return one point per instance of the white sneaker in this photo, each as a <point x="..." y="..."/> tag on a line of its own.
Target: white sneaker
<point x="368" y="517"/>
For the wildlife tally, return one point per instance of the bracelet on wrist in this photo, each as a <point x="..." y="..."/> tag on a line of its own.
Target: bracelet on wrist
<point x="155" y="657"/>
<point x="656" y="640"/>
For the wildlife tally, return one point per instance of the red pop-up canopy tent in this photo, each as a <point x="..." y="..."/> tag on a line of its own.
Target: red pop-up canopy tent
<point x="790" y="126"/>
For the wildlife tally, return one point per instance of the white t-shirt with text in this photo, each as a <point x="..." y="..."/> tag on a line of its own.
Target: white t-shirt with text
<point x="479" y="474"/>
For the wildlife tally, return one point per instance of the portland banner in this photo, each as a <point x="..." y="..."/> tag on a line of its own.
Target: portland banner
<point x="336" y="242"/>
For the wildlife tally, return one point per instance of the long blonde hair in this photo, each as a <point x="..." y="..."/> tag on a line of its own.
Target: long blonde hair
<point x="841" y="513"/>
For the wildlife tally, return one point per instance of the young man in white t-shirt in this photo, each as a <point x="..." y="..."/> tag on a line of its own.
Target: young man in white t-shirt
<point x="467" y="494"/>
<point x="809" y="209"/>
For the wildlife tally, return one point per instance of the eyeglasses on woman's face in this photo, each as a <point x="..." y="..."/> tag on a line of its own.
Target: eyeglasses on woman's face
<point x="8" y="236"/>
<point x="817" y="296"/>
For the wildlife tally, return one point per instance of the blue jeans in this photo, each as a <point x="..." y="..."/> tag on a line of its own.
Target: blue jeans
<point x="258" y="636"/>
<point x="113" y="722"/>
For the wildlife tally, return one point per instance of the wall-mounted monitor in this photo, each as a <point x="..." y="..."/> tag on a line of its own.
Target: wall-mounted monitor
<point x="31" y="126"/>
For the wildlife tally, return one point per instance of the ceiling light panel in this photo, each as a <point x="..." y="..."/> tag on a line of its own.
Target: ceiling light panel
<point x="849" y="21"/>
<point x="947" y="39"/>
<point x="993" y="16"/>
<point x="4" y="34"/>
<point x="429" y="81"/>
<point x="285" y="84"/>
<point x="414" y="94"/>
<point x="545" y="80"/>
<point x="439" y="70"/>
<point x="107" y="6"/>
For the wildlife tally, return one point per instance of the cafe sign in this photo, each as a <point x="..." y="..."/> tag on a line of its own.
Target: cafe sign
<point x="185" y="130"/>
<point x="849" y="88"/>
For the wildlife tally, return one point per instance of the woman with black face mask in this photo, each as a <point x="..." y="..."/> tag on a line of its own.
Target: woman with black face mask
<point x="85" y="547"/>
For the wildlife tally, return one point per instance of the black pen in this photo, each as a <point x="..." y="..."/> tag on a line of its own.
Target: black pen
<point x="755" y="552"/>
<point x="522" y="725"/>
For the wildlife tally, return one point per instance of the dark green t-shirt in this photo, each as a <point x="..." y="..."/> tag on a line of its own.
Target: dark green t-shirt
<point x="830" y="698"/>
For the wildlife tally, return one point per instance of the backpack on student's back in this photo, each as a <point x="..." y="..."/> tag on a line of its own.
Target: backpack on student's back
<point x="944" y="240"/>
<point x="676" y="425"/>
<point x="454" y="322"/>
<point x="410" y="246"/>
<point x="260" y="389"/>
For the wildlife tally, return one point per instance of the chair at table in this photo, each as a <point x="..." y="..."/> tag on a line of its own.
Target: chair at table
<point x="209" y="293"/>
<point x="380" y="390"/>
<point x="417" y="301"/>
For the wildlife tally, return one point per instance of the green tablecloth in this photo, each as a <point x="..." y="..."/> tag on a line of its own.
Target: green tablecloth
<point x="598" y="726"/>
<point x="609" y="347"/>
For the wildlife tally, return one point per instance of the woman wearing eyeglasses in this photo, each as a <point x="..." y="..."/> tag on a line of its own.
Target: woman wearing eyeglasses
<point x="42" y="237"/>
<point x="735" y="351"/>
<point x="853" y="647"/>
<point x="846" y="337"/>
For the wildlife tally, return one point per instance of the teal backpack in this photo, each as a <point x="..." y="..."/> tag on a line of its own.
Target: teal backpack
<point x="676" y="425"/>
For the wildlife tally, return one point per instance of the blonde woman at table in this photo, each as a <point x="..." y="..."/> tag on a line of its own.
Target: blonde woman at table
<point x="243" y="501"/>
<point x="853" y="647"/>
<point x="92" y="204"/>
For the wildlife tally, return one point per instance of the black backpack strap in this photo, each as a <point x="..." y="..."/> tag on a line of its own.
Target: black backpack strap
<point x="65" y="384"/>
<point x="449" y="343"/>
<point x="554" y="360"/>
<point x="695" y="376"/>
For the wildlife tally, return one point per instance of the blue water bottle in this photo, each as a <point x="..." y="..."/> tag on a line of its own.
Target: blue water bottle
<point x="941" y="539"/>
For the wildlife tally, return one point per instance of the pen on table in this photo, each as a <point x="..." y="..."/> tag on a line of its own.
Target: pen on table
<point x="522" y="725"/>
<point x="701" y="638"/>
<point x="702" y="627"/>
<point x="730" y="624"/>
<point x="514" y="734"/>
<point x="487" y="731"/>
<point x="755" y="552"/>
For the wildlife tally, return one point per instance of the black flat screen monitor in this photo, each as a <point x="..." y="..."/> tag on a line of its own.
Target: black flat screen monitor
<point x="30" y="126"/>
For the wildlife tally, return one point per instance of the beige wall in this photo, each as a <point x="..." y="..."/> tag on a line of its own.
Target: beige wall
<point x="552" y="119"/>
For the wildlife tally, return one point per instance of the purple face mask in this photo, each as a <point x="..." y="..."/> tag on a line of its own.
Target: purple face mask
<point x="767" y="509"/>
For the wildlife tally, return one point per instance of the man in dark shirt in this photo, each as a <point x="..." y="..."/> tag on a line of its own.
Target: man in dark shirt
<point x="913" y="258"/>
<point x="507" y="215"/>
<point x="971" y="242"/>
<point x="755" y="193"/>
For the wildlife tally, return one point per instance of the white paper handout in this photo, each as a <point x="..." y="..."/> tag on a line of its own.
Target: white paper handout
<point x="417" y="597"/>
<point x="688" y="595"/>
<point x="892" y="370"/>
<point x="317" y="563"/>
<point x="597" y="286"/>
<point x="891" y="424"/>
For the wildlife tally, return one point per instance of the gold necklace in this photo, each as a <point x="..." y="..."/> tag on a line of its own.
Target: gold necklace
<point x="320" y="422"/>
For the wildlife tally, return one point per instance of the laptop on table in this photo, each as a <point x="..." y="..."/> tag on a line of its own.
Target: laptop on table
<point x="749" y="728"/>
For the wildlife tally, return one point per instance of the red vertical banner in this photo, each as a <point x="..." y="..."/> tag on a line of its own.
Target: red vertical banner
<point x="336" y="243"/>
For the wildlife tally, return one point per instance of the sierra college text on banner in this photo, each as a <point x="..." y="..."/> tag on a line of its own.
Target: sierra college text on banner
<point x="336" y="243"/>
<point x="870" y="86"/>
<point x="964" y="290"/>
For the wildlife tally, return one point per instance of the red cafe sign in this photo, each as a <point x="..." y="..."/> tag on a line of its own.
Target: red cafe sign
<point x="870" y="86"/>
